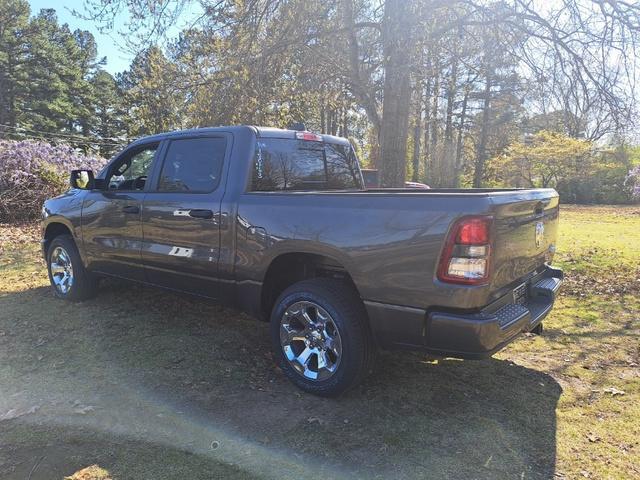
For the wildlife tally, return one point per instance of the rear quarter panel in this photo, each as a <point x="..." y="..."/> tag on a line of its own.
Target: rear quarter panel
<point x="389" y="243"/>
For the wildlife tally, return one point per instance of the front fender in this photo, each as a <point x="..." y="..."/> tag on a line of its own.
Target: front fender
<point x="63" y="210"/>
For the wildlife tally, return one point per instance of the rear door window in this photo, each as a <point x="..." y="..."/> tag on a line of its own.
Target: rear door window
<point x="299" y="165"/>
<point x="193" y="165"/>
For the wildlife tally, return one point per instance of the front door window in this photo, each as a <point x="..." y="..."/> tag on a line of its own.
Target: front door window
<point x="130" y="173"/>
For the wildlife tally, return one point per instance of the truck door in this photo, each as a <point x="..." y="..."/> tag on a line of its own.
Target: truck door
<point x="181" y="217"/>
<point x="111" y="216"/>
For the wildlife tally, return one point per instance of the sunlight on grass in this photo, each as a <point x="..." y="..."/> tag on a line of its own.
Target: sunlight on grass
<point x="94" y="472"/>
<point x="591" y="347"/>
<point x="599" y="237"/>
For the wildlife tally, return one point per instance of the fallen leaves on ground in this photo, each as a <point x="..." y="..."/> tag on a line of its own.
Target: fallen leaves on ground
<point x="621" y="282"/>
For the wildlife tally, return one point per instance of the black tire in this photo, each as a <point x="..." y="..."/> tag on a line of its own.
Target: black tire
<point x="347" y="312"/>
<point x="84" y="284"/>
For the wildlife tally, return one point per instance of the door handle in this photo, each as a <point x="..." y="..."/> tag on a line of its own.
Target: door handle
<point x="131" y="209"/>
<point x="201" y="213"/>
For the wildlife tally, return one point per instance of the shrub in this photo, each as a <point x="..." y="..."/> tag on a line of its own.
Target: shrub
<point x="606" y="184"/>
<point x="32" y="171"/>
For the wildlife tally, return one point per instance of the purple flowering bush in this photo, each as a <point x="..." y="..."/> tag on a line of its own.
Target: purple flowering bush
<point x="32" y="171"/>
<point x="633" y="182"/>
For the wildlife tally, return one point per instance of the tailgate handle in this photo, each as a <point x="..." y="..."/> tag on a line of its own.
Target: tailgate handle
<point x="539" y="210"/>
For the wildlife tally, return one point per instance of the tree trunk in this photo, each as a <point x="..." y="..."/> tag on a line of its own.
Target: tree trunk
<point x="417" y="132"/>
<point x="459" y="145"/>
<point x="396" y="38"/>
<point x="428" y="173"/>
<point x="448" y="157"/>
<point x="345" y="121"/>
<point x="357" y="83"/>
<point x="334" y="122"/>
<point x="435" y="158"/>
<point x="481" y="151"/>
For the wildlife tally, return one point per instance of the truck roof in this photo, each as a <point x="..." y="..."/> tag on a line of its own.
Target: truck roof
<point x="263" y="132"/>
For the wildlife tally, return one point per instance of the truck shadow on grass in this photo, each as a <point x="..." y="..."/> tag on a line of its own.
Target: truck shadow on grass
<point x="195" y="384"/>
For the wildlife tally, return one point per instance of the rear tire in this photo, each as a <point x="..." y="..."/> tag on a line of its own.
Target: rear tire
<point x="69" y="279"/>
<point x="321" y="338"/>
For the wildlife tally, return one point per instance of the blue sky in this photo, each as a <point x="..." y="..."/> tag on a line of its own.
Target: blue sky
<point x="118" y="59"/>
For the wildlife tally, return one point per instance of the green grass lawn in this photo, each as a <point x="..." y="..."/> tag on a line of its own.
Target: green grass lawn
<point x="140" y="383"/>
<point x="591" y="344"/>
<point x="599" y="248"/>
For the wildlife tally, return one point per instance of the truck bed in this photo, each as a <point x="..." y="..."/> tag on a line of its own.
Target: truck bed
<point x="390" y="240"/>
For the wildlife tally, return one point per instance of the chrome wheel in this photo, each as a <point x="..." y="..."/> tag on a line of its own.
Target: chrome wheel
<point x="310" y="340"/>
<point x="61" y="270"/>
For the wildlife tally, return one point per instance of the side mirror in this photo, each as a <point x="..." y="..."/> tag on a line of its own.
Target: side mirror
<point x="82" y="179"/>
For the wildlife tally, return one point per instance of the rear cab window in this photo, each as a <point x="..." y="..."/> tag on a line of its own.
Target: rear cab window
<point x="299" y="165"/>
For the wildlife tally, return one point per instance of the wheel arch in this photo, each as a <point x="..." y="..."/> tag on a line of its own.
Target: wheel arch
<point x="53" y="229"/>
<point x="288" y="268"/>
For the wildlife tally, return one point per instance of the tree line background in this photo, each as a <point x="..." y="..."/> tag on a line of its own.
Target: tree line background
<point x="451" y="93"/>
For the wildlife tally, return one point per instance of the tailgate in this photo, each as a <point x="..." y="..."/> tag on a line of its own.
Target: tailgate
<point x="525" y="230"/>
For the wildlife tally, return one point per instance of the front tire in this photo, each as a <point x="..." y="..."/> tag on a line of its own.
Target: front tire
<point x="320" y="336"/>
<point x="69" y="279"/>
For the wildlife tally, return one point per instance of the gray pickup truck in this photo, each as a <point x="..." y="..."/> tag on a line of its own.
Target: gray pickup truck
<point x="278" y="223"/>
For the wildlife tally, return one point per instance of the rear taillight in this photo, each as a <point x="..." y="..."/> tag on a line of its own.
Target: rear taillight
<point x="466" y="252"/>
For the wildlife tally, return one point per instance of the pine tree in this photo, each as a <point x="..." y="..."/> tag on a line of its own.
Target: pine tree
<point x="154" y="104"/>
<point x="14" y="21"/>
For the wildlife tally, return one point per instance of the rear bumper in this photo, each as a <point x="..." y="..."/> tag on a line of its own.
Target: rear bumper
<point x="466" y="335"/>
